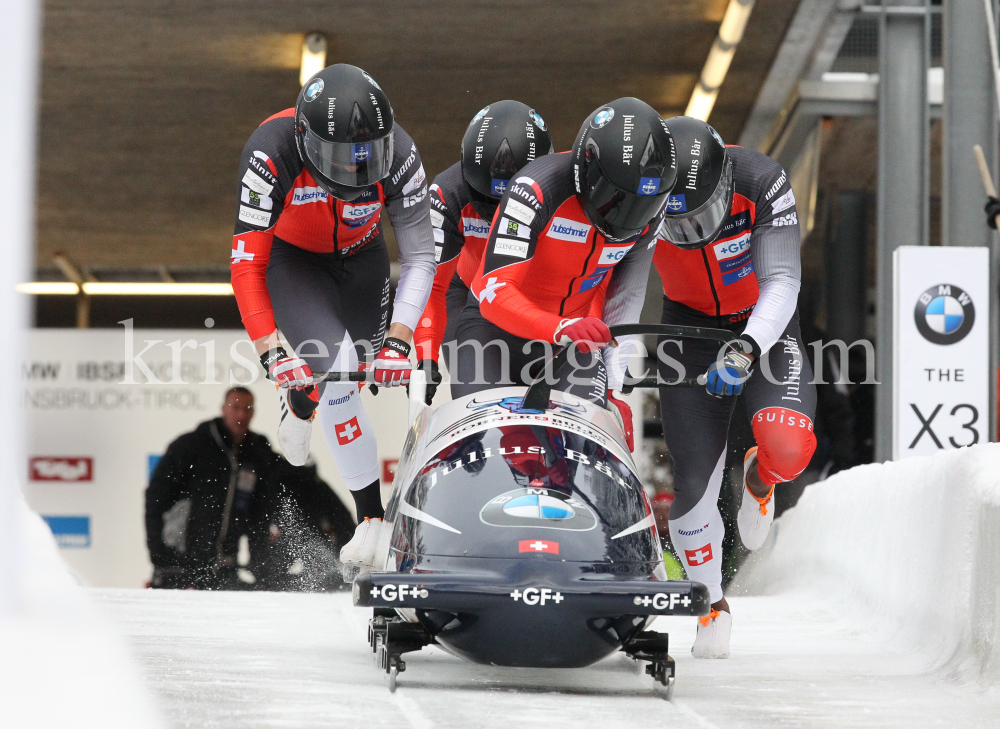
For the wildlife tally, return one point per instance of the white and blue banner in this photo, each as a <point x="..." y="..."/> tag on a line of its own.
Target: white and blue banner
<point x="941" y="378"/>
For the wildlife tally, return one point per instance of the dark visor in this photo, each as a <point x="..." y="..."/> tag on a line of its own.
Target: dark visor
<point x="354" y="165"/>
<point x="621" y="214"/>
<point x="699" y="227"/>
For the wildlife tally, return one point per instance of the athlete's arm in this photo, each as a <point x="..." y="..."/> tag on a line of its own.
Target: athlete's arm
<point x="775" y="247"/>
<point x="268" y="166"/>
<point x="410" y="215"/>
<point x="448" y="243"/>
<point x="506" y="262"/>
<point x="623" y="302"/>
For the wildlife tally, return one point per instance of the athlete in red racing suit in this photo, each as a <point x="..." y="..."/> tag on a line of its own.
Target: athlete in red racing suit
<point x="500" y="140"/>
<point x="739" y="270"/>
<point x="315" y="265"/>
<point x="569" y="226"/>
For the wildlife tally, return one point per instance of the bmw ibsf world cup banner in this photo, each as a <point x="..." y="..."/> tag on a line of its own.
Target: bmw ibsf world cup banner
<point x="941" y="381"/>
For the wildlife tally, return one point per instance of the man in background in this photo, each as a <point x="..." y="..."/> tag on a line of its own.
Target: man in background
<point x="204" y="495"/>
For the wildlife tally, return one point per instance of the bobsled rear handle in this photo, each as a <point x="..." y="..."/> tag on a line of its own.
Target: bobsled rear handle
<point x="673" y="330"/>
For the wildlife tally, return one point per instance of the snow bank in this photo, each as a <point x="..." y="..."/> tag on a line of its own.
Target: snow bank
<point x="63" y="665"/>
<point x="913" y="548"/>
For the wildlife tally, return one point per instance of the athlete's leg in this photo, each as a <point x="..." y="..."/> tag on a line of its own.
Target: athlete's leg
<point x="695" y="428"/>
<point x="309" y="293"/>
<point x="781" y="408"/>
<point x="363" y="283"/>
<point x="781" y="402"/>
<point x="483" y="355"/>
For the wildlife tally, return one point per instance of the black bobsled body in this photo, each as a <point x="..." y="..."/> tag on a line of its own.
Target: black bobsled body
<point x="522" y="537"/>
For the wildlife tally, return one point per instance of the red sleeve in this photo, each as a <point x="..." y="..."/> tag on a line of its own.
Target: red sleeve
<point x="502" y="303"/>
<point x="430" y="331"/>
<point x="248" y="269"/>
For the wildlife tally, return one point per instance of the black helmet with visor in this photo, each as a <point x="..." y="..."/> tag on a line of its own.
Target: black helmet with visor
<point x="344" y="130"/>
<point x="500" y="140"/>
<point x="699" y="204"/>
<point x="624" y="165"/>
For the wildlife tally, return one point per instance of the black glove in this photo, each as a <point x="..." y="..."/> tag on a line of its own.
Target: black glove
<point x="992" y="210"/>
<point x="433" y="378"/>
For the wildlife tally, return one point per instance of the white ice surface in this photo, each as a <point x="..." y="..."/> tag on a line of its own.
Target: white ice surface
<point x="291" y="660"/>
<point x="875" y="603"/>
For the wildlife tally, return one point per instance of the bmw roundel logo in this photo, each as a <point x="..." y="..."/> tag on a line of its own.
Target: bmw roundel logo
<point x="371" y="80"/>
<point x="314" y="90"/>
<point x="539" y="122"/>
<point x="482" y="112"/>
<point x="603" y="117"/>
<point x="944" y="314"/>
<point x="538" y="508"/>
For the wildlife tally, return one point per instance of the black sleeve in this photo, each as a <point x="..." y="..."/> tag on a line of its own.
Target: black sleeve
<point x="447" y="224"/>
<point x="268" y="168"/>
<point x="166" y="487"/>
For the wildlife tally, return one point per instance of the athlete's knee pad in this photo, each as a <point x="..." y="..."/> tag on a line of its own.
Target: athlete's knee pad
<point x="785" y="443"/>
<point x="349" y="434"/>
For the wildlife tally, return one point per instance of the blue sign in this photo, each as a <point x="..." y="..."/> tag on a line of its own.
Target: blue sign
<point x="151" y="462"/>
<point x="499" y="186"/>
<point x="71" y="532"/>
<point x="362" y="151"/>
<point x="649" y="185"/>
<point x="676" y="204"/>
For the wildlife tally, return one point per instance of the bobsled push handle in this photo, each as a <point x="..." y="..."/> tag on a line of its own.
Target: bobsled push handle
<point x="537" y="396"/>
<point x="344" y="376"/>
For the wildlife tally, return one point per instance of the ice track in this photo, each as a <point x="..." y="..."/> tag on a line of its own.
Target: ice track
<point x="290" y="660"/>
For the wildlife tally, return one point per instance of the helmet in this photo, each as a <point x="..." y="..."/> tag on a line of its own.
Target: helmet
<point x="501" y="139"/>
<point x="344" y="130"/>
<point x="624" y="165"/>
<point x="700" y="201"/>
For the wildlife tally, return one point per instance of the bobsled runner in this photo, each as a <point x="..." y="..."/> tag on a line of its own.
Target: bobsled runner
<point x="518" y="533"/>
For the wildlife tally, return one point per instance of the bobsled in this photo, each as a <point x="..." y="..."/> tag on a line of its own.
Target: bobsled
<point x="518" y="533"/>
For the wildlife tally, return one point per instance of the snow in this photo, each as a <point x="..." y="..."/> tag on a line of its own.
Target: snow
<point x="293" y="660"/>
<point x="873" y="604"/>
<point x="63" y="664"/>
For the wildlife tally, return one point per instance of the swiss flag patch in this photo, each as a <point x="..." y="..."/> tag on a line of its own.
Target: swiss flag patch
<point x="348" y="432"/>
<point x="698" y="557"/>
<point x="538" y="545"/>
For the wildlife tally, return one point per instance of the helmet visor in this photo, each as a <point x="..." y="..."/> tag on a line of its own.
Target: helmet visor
<point x="353" y="165"/>
<point x="622" y="214"/>
<point x="699" y="227"/>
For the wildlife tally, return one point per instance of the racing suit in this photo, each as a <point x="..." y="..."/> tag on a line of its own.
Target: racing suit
<point x="747" y="281"/>
<point x="546" y="263"/>
<point x="318" y="268"/>
<point x="460" y="236"/>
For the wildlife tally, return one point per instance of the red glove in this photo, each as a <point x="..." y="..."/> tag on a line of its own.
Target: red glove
<point x="392" y="365"/>
<point x="589" y="333"/>
<point x="286" y="371"/>
<point x="623" y="413"/>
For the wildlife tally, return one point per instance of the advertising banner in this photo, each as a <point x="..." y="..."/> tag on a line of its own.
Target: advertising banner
<point x="102" y="405"/>
<point x="941" y="361"/>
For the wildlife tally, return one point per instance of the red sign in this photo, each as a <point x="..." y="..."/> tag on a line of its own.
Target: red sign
<point x="348" y="432"/>
<point x="537" y="546"/>
<point x="700" y="556"/>
<point x="60" y="468"/>
<point x="389" y="469"/>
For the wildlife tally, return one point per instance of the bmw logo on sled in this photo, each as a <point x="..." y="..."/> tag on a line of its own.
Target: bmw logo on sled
<point x="521" y="536"/>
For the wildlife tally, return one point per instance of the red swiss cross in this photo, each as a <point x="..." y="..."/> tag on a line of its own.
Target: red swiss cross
<point x="700" y="556"/>
<point x="537" y="545"/>
<point x="348" y="432"/>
